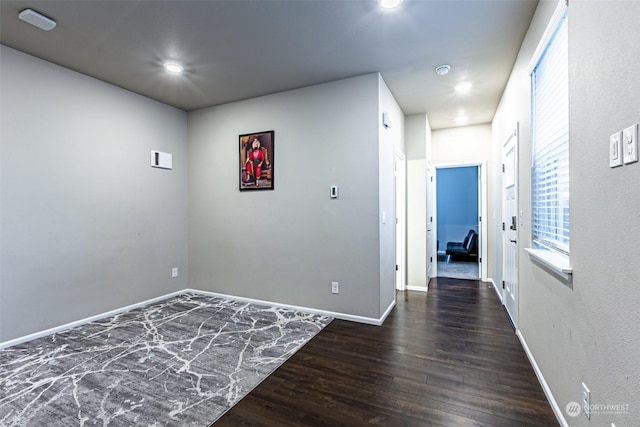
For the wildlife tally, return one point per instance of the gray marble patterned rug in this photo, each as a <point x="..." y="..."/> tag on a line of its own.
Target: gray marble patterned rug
<point x="458" y="270"/>
<point x="182" y="362"/>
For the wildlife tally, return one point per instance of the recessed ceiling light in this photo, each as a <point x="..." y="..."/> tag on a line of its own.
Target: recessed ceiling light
<point x="464" y="87"/>
<point x="389" y="4"/>
<point x="37" y="19"/>
<point x="443" y="70"/>
<point x="462" y="119"/>
<point x="173" y="67"/>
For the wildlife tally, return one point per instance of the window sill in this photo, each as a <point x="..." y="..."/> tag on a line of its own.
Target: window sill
<point x="556" y="262"/>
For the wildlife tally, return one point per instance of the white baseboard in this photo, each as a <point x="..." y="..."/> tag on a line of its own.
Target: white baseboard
<point x="545" y="387"/>
<point x="386" y="313"/>
<point x="57" y="329"/>
<point x="84" y="321"/>
<point x="417" y="288"/>
<point x="495" y="288"/>
<point x="336" y="315"/>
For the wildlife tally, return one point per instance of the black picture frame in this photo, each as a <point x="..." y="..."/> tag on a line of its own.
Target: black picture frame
<point x="256" y="155"/>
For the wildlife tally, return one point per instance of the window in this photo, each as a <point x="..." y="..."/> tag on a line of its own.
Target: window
<point x="550" y="139"/>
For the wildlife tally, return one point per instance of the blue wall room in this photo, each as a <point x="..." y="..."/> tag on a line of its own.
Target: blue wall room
<point x="457" y="203"/>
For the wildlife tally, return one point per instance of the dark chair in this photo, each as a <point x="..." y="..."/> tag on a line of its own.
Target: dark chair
<point x="466" y="250"/>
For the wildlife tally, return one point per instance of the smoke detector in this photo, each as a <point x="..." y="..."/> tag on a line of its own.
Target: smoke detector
<point x="443" y="70"/>
<point x="37" y="19"/>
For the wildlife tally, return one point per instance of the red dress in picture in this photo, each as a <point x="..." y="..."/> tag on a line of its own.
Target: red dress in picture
<point x="254" y="164"/>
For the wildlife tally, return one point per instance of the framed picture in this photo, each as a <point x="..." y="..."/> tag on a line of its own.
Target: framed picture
<point x="256" y="161"/>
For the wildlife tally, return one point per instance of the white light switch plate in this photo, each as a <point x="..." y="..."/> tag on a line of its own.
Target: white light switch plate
<point x="615" y="150"/>
<point x="586" y="401"/>
<point x="333" y="192"/>
<point x="161" y="160"/>
<point x="630" y="144"/>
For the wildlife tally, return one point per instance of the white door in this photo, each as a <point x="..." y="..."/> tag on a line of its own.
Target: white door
<point x="510" y="226"/>
<point x="432" y="253"/>
<point x="401" y="218"/>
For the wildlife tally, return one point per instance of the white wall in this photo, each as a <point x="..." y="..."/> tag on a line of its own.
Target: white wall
<point x="465" y="146"/>
<point x="587" y="331"/>
<point x="390" y="137"/>
<point x="287" y="245"/>
<point x="417" y="129"/>
<point x="87" y="225"/>
<point x="461" y="145"/>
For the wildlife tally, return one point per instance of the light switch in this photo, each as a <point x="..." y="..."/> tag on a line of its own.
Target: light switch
<point x="333" y="192"/>
<point x="615" y="150"/>
<point x="161" y="160"/>
<point x="630" y="144"/>
<point x="386" y="121"/>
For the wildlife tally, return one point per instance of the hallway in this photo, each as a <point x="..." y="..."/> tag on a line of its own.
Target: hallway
<point x="444" y="358"/>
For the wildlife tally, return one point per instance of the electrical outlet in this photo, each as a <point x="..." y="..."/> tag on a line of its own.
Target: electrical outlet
<point x="174" y="272"/>
<point x="586" y="401"/>
<point x="630" y="144"/>
<point x="335" y="287"/>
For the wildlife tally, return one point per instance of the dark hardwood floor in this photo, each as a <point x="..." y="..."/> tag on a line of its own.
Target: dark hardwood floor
<point x="445" y="358"/>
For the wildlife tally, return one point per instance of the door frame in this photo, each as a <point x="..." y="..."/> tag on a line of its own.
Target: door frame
<point x="431" y="210"/>
<point x="400" y="173"/>
<point x="511" y="310"/>
<point x="482" y="211"/>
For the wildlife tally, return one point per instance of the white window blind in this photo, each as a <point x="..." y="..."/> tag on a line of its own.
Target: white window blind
<point x="550" y="123"/>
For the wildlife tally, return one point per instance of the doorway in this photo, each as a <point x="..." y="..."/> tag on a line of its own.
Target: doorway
<point x="460" y="204"/>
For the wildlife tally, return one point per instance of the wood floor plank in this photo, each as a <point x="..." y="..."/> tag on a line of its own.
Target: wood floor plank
<point x="445" y="358"/>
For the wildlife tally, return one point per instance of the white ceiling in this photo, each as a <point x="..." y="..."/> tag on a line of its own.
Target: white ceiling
<point x="239" y="49"/>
